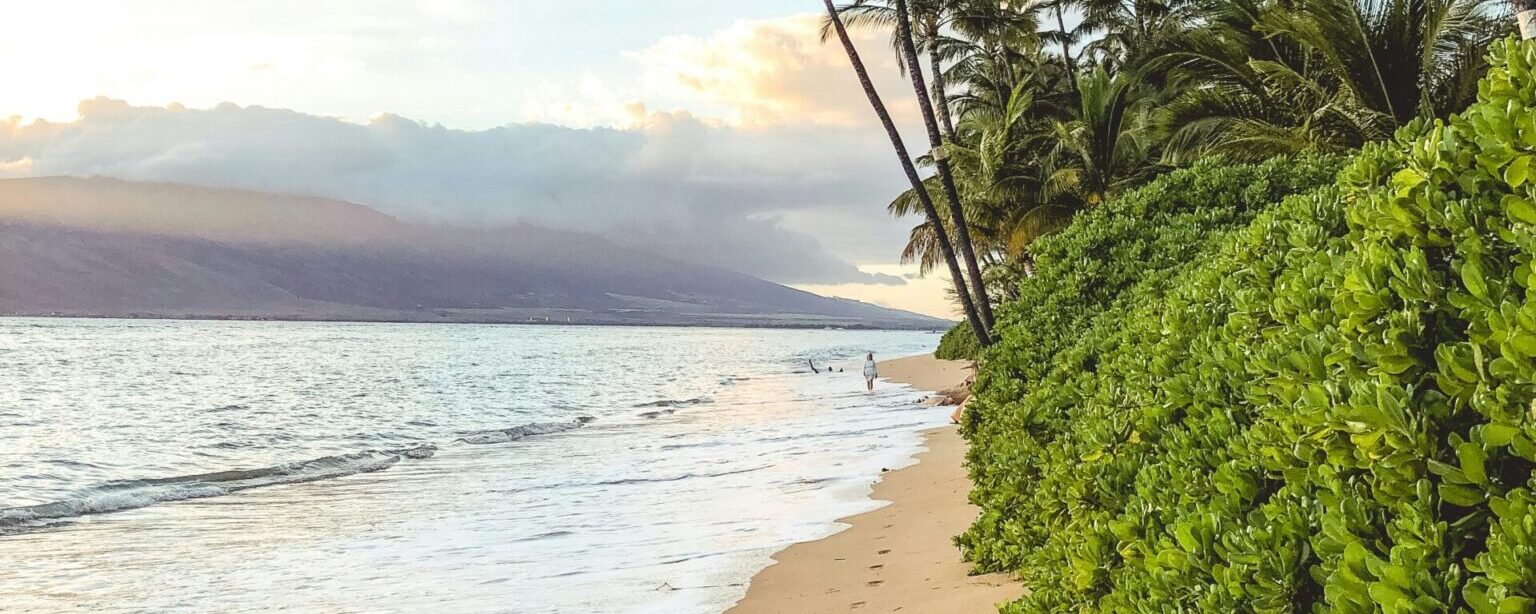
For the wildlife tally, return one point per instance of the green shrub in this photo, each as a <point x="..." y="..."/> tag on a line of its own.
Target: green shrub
<point x="1148" y="232"/>
<point x="1328" y="410"/>
<point x="1133" y="245"/>
<point x="958" y="344"/>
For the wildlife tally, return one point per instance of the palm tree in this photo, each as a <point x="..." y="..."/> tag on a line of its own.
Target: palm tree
<point x="997" y="158"/>
<point x="1002" y="166"/>
<point x="946" y="176"/>
<point x="1035" y="124"/>
<point x="974" y="19"/>
<point x="1063" y="37"/>
<point x="1349" y="71"/>
<point x="983" y="335"/>
<point x="1231" y="74"/>
<point x="933" y="41"/>
<point x="1129" y="28"/>
<point x="1011" y="97"/>
<point x="931" y="17"/>
<point x="1395" y="57"/>
<point x="1106" y="146"/>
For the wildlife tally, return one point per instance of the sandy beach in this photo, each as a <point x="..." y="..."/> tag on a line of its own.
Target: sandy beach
<point x="899" y="557"/>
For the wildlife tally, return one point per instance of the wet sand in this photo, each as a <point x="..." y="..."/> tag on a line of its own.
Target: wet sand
<point x="899" y="558"/>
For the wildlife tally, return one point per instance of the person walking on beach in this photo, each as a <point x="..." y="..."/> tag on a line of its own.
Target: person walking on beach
<point x="870" y="372"/>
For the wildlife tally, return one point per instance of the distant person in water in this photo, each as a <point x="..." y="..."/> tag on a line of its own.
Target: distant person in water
<point x="870" y="372"/>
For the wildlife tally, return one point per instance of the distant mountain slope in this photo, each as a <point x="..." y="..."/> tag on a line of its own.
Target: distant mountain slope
<point x="117" y="248"/>
<point x="168" y="208"/>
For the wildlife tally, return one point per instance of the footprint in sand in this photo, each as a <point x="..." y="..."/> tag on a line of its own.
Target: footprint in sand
<point x="883" y="552"/>
<point x="874" y="583"/>
<point x="877" y="567"/>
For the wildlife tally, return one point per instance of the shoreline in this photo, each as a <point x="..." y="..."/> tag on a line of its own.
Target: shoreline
<point x="722" y="324"/>
<point x="900" y="556"/>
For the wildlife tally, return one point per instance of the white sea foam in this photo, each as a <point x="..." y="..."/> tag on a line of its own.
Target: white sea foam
<point x="520" y="432"/>
<point x="132" y="494"/>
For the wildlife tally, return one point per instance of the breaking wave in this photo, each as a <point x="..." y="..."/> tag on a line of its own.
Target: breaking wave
<point x="628" y="481"/>
<point x="675" y="478"/>
<point x="519" y="432"/>
<point x="674" y="403"/>
<point x="121" y="495"/>
<point x="132" y="494"/>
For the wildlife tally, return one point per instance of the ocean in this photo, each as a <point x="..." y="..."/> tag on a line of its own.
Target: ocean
<point x="207" y="466"/>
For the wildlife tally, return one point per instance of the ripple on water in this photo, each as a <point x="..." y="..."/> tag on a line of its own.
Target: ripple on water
<point x="202" y="428"/>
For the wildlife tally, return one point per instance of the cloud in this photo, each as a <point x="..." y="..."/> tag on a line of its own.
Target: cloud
<point x="281" y="52"/>
<point x="774" y="72"/>
<point x="675" y="184"/>
<point x="777" y="169"/>
<point x="20" y="167"/>
<point x="758" y="73"/>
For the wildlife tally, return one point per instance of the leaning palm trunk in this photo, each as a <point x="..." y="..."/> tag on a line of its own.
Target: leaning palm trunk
<point x="956" y="211"/>
<point x="982" y="334"/>
<point x="939" y="93"/>
<point x="1066" y="53"/>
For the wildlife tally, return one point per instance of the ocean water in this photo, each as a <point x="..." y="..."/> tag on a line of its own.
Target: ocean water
<point x="169" y="466"/>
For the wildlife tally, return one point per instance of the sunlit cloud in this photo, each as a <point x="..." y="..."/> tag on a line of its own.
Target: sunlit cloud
<point x="753" y="74"/>
<point x="587" y="102"/>
<point x="770" y="72"/>
<point x="20" y="167"/>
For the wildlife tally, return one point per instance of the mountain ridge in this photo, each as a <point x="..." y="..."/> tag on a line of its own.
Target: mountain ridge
<point x="117" y="248"/>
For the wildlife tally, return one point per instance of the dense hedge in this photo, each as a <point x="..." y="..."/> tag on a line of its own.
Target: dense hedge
<point x="1147" y="232"/>
<point x="958" y="344"/>
<point x="1328" y="410"/>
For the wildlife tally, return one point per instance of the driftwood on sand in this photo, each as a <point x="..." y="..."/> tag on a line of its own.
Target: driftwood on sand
<point x="957" y="396"/>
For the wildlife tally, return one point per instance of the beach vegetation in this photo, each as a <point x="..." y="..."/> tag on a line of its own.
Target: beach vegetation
<point x="1044" y="110"/>
<point x="959" y="343"/>
<point x="1262" y="337"/>
<point x="941" y="232"/>
<point x="1276" y="388"/>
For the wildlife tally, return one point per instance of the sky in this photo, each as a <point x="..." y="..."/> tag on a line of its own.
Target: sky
<point x="720" y="132"/>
